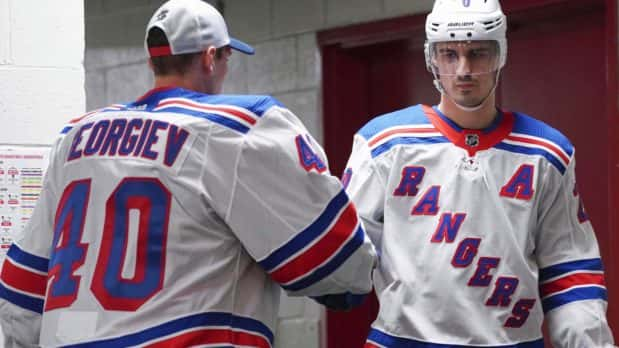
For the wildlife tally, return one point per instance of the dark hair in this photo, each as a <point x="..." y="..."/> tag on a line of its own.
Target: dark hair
<point x="166" y="65"/>
<point x="179" y="63"/>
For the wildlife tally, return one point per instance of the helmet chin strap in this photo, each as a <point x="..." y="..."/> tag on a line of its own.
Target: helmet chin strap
<point x="439" y="87"/>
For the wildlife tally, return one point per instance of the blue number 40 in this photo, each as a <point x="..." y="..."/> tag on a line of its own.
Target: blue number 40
<point x="151" y="200"/>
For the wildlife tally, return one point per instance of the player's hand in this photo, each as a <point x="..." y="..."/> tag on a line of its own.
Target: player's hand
<point x="340" y="302"/>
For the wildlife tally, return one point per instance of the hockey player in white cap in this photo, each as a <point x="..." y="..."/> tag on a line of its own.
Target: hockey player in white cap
<point x="474" y="210"/>
<point x="175" y="220"/>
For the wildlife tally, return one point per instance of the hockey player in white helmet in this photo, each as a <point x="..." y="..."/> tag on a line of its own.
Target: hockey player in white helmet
<point x="465" y="51"/>
<point x="175" y="220"/>
<point x="474" y="210"/>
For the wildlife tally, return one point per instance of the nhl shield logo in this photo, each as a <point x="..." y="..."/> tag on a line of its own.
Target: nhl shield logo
<point x="471" y="140"/>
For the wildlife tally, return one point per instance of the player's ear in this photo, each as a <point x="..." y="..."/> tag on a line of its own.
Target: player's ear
<point x="208" y="59"/>
<point x="150" y="65"/>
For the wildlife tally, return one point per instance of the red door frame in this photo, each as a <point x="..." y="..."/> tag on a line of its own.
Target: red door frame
<point x="331" y="41"/>
<point x="612" y="117"/>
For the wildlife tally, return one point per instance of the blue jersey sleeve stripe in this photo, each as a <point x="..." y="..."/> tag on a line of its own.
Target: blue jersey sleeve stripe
<point x="324" y="271"/>
<point x="533" y="151"/>
<point x="258" y="104"/>
<point x="387" y="340"/>
<point x="409" y="116"/>
<point x="66" y="130"/>
<point x="237" y="126"/>
<point x="528" y="125"/>
<point x="309" y="234"/>
<point x="114" y="110"/>
<point x="577" y="294"/>
<point x="23" y="258"/>
<point x="566" y="267"/>
<point x="384" y="147"/>
<point x="24" y="301"/>
<point x="222" y="120"/>
<point x="264" y="104"/>
<point x="213" y="319"/>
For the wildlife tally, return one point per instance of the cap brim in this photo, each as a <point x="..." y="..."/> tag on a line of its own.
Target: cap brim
<point x="241" y="46"/>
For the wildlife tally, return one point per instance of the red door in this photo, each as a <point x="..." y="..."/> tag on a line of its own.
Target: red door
<point x="556" y="72"/>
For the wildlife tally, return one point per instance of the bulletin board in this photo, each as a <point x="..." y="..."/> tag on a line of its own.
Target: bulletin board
<point x="21" y="180"/>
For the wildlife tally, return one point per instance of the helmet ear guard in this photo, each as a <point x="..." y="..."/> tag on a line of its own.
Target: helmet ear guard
<point x="426" y="52"/>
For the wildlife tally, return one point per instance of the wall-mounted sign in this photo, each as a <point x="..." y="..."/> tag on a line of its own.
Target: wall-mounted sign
<point x="21" y="180"/>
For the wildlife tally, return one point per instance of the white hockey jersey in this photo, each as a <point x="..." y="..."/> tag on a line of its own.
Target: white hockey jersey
<point x="480" y="234"/>
<point x="173" y="221"/>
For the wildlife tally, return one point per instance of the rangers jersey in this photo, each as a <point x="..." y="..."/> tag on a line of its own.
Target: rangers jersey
<point x="173" y="221"/>
<point x="480" y="233"/>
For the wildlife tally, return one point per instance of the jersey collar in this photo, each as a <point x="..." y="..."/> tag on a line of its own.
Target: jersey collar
<point x="472" y="140"/>
<point x="154" y="91"/>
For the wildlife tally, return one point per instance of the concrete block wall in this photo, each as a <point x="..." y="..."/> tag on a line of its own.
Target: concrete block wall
<point x="286" y="65"/>
<point x="115" y="62"/>
<point x="287" y="61"/>
<point x="41" y="72"/>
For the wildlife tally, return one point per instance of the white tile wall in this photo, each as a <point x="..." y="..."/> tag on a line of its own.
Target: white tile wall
<point x="41" y="71"/>
<point x="5" y="34"/>
<point x="35" y="103"/>
<point x="63" y="45"/>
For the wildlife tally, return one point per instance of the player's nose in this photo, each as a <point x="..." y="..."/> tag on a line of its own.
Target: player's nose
<point x="464" y="66"/>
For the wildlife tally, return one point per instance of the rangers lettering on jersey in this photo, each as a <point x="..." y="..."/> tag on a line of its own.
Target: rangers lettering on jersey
<point x="473" y="255"/>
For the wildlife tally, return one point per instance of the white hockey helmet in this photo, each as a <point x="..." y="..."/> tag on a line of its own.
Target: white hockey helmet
<point x="466" y="20"/>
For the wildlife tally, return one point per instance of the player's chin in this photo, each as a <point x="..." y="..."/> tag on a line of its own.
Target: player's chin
<point x="468" y="101"/>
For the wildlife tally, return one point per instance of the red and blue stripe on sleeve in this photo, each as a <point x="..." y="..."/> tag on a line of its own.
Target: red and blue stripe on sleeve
<point x="23" y="279"/>
<point x="319" y="249"/>
<point x="381" y="339"/>
<point x="211" y="329"/>
<point x="572" y="281"/>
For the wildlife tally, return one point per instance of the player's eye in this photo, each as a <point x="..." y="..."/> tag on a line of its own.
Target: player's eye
<point x="448" y="55"/>
<point x="479" y="53"/>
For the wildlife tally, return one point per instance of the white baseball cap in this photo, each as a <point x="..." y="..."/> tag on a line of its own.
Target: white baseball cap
<point x="191" y="26"/>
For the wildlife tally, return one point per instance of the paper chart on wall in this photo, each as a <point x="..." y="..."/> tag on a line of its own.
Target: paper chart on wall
<point x="21" y="179"/>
